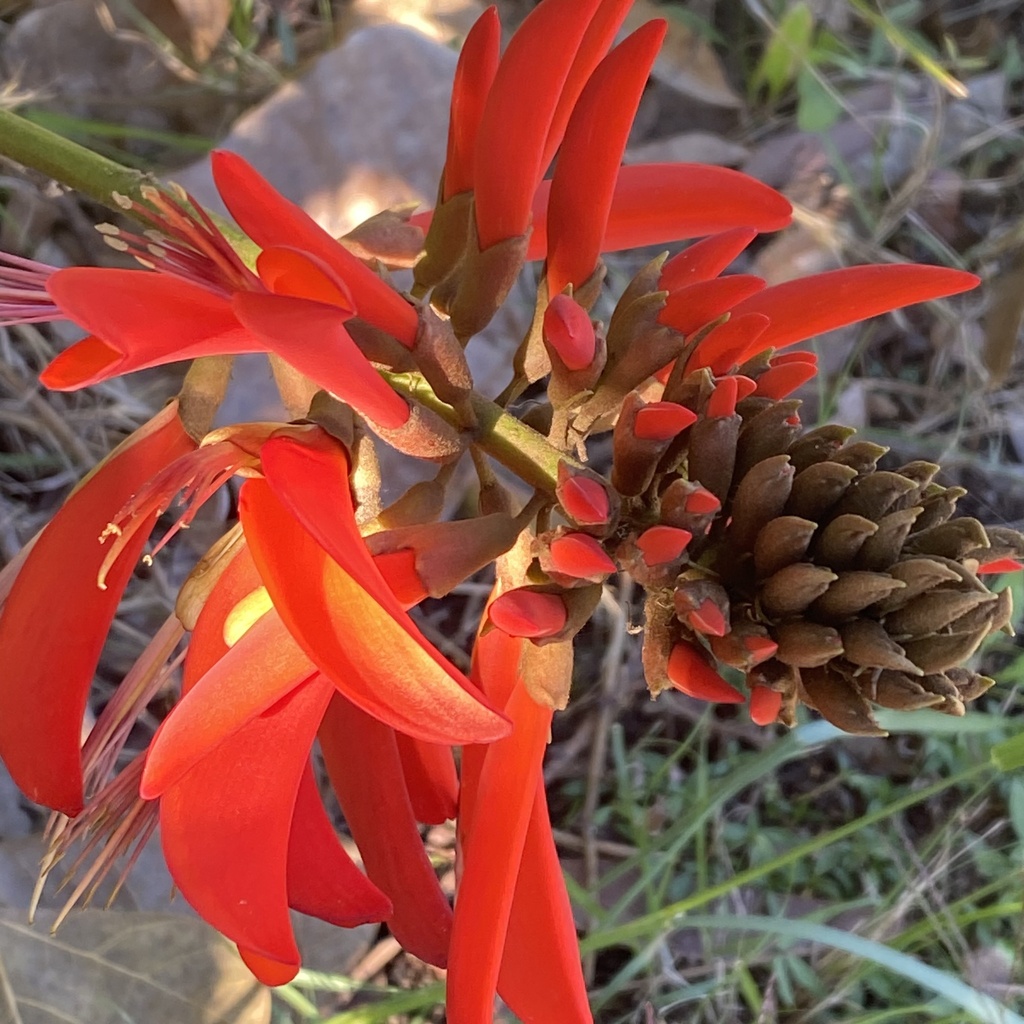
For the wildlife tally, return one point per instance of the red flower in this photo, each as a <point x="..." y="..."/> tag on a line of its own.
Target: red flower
<point x="204" y="301"/>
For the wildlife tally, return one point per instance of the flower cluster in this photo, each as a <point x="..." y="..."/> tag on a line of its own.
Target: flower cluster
<point x="783" y="554"/>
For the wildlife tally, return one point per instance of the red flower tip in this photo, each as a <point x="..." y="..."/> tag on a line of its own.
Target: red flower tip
<point x="474" y="74"/>
<point x="999" y="565"/>
<point x="783" y="379"/>
<point x="689" y="672"/>
<point x="661" y="544"/>
<point x="697" y="305"/>
<point x="704" y="259"/>
<point x="399" y="571"/>
<point x="725" y="345"/>
<point x="761" y="648"/>
<point x="707" y="618"/>
<point x="701" y="502"/>
<point x="723" y="399"/>
<point x="799" y="356"/>
<point x="579" y="555"/>
<point x="765" y="705"/>
<point x="528" y="613"/>
<point x="745" y="387"/>
<point x="584" y="500"/>
<point x="570" y="332"/>
<point x="661" y="421"/>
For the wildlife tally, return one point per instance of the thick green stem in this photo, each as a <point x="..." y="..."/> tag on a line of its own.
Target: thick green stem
<point x="512" y="443"/>
<point x="67" y="162"/>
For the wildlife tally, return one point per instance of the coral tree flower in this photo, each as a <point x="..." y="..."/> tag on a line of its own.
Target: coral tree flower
<point x="203" y="300"/>
<point x="44" y="685"/>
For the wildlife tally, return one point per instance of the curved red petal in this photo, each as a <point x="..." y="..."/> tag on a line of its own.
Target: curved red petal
<point x="44" y="685"/>
<point x="148" y="318"/>
<point x="225" y="825"/>
<point x="765" y="705"/>
<point x="322" y="880"/>
<point x="474" y="73"/>
<point x="541" y="977"/>
<point x="264" y="666"/>
<point x="377" y="658"/>
<point x="779" y="381"/>
<point x="289" y="271"/>
<point x="366" y="774"/>
<point x="689" y="671"/>
<point x="602" y="27"/>
<point x="267" y="971"/>
<point x="311" y="336"/>
<point x="518" y="113"/>
<point x="500" y="784"/>
<point x="528" y="613"/>
<point x="579" y="554"/>
<point x="727" y="344"/>
<point x="271" y="220"/>
<point x="658" y="203"/>
<point x="810" y="306"/>
<point x="705" y="259"/>
<point x="585" y="176"/>
<point x="430" y="778"/>
<point x="697" y="305"/>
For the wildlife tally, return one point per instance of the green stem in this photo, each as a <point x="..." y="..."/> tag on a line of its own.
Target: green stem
<point x="512" y="443"/>
<point x="69" y="163"/>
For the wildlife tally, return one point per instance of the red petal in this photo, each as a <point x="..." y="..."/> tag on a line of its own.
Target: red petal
<point x="723" y="399"/>
<point x="474" y="73"/>
<point x="431" y="779"/>
<point x="518" y="114"/>
<point x="322" y="880"/>
<point x="271" y="220"/>
<point x="658" y="203"/>
<point x="376" y="657"/>
<point x="602" y="27"/>
<point x="499" y="794"/>
<point x="999" y="565"/>
<point x="765" y="705"/>
<point x="267" y="971"/>
<point x="288" y="271"/>
<point x="147" y="319"/>
<point x="810" y="306"/>
<point x="727" y="344"/>
<point x="689" y="671"/>
<point x="263" y="667"/>
<point x="585" y="176"/>
<point x="779" y="381"/>
<point x="225" y="825"/>
<point x="705" y="259"/>
<point x="701" y="502"/>
<point x="695" y="306"/>
<point x="584" y="500"/>
<point x="708" y="619"/>
<point x="311" y="336"/>
<point x="55" y="619"/>
<point x="399" y="571"/>
<point x="541" y="978"/>
<point x="366" y="773"/>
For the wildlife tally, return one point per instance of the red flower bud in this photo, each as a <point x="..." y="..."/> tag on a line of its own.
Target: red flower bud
<point x="579" y="555"/>
<point x="584" y="500"/>
<point x="569" y="332"/>
<point x="661" y="421"/>
<point x="689" y="671"/>
<point x="662" y="544"/>
<point x="765" y="705"/>
<point x="528" y="613"/>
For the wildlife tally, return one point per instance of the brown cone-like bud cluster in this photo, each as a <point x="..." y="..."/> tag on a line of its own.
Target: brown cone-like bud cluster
<point x="824" y="579"/>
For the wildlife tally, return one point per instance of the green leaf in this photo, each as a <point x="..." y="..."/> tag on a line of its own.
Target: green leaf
<point x="786" y="51"/>
<point x="1009" y="755"/>
<point x="818" y="107"/>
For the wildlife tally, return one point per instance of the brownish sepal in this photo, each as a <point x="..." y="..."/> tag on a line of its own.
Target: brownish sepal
<point x="634" y="459"/>
<point x="424" y="435"/>
<point x="444" y="248"/>
<point x="387" y="237"/>
<point x="442" y="360"/>
<point x="712" y="455"/>
<point x="484" y="281"/>
<point x="451" y="551"/>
